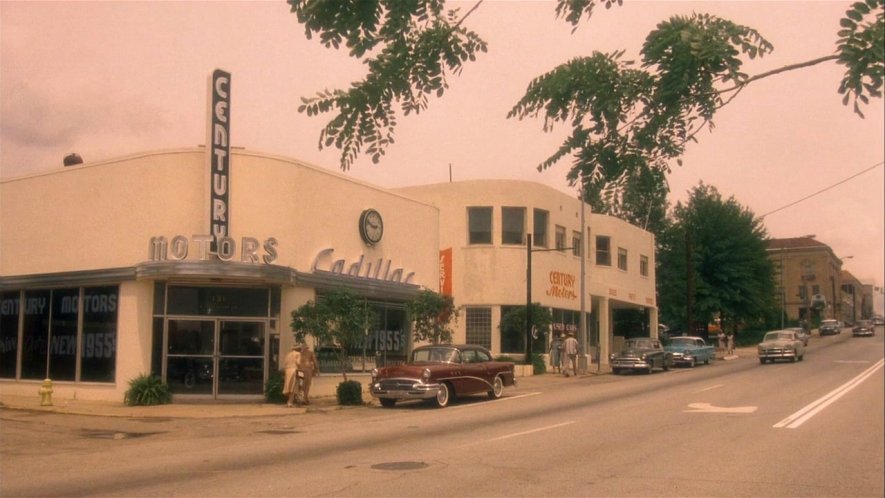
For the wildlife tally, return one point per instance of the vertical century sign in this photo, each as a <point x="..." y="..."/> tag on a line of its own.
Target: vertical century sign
<point x="219" y="156"/>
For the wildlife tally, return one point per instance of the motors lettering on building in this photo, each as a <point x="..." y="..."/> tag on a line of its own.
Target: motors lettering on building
<point x="246" y="250"/>
<point x="375" y="270"/>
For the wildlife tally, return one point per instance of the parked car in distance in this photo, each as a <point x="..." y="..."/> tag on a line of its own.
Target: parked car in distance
<point x="781" y="345"/>
<point x="878" y="321"/>
<point x="863" y="328"/>
<point x="830" y="327"/>
<point x="442" y="372"/>
<point x="803" y="334"/>
<point x="689" y="351"/>
<point x="643" y="354"/>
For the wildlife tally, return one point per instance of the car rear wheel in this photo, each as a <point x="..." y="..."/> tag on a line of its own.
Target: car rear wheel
<point x="443" y="396"/>
<point x="387" y="402"/>
<point x="497" y="389"/>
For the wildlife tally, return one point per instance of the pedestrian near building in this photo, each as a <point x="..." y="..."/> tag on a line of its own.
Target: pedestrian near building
<point x="570" y="349"/>
<point x="555" y="352"/>
<point x="290" y="370"/>
<point x="307" y="365"/>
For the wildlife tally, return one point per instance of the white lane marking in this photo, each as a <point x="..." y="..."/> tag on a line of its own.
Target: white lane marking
<point x="812" y="409"/>
<point x="506" y="398"/>
<point x="852" y="361"/>
<point x="717" y="386"/>
<point x="539" y="429"/>
<point x="708" y="408"/>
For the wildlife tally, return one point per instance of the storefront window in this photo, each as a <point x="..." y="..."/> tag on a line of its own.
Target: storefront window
<point x="98" y="351"/>
<point x="35" y="335"/>
<point x="9" y="309"/>
<point x="512" y="338"/>
<point x="217" y="301"/>
<point x="63" y="335"/>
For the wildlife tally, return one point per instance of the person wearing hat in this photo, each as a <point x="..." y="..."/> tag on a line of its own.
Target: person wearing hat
<point x="290" y="369"/>
<point x="570" y="349"/>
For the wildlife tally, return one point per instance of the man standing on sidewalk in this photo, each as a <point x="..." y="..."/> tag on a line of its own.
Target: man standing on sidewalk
<point x="570" y="350"/>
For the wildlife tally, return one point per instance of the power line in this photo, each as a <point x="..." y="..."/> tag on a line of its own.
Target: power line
<point x="880" y="163"/>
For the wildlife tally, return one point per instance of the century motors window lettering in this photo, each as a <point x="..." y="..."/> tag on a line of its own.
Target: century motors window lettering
<point x="68" y="334"/>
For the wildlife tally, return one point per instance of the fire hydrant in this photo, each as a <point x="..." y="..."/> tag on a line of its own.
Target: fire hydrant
<point x="46" y="393"/>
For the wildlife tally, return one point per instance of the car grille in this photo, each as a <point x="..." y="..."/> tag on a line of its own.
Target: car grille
<point x="397" y="384"/>
<point x="776" y="351"/>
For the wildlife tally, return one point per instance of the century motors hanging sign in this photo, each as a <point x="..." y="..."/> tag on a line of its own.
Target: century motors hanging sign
<point x="219" y="156"/>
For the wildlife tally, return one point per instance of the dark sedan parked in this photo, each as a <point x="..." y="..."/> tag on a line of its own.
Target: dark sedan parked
<point x="440" y="373"/>
<point x="643" y="354"/>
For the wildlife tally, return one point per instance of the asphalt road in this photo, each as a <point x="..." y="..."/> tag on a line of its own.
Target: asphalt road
<point x="732" y="428"/>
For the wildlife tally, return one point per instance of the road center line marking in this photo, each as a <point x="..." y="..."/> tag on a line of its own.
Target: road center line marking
<point x="539" y="429"/>
<point x="717" y="386"/>
<point x="812" y="409"/>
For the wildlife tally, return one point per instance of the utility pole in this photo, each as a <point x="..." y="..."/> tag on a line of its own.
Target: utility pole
<point x="528" y="299"/>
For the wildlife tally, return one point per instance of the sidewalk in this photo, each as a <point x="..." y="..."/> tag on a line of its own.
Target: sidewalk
<point x="213" y="409"/>
<point x="220" y="409"/>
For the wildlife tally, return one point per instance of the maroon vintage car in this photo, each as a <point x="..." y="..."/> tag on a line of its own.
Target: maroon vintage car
<point x="440" y="373"/>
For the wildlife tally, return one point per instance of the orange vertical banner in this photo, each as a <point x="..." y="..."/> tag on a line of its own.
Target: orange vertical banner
<point x="445" y="272"/>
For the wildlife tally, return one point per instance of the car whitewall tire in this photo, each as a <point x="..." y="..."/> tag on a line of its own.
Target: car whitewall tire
<point x="497" y="389"/>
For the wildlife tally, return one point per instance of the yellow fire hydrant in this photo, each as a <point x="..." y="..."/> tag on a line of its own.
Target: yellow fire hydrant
<point x="46" y="393"/>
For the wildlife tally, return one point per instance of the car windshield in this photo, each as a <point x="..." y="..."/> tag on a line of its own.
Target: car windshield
<point x="638" y="344"/>
<point x="829" y="322"/>
<point x="436" y="355"/>
<point x="773" y="336"/>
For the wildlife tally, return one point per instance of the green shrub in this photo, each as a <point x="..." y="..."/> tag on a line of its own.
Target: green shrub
<point x="273" y="390"/>
<point x="504" y="358"/>
<point x="538" y="365"/>
<point x="350" y="392"/>
<point x="147" y="389"/>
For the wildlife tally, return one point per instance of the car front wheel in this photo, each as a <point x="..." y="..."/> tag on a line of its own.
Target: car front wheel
<point x="497" y="389"/>
<point x="443" y="396"/>
<point x="387" y="402"/>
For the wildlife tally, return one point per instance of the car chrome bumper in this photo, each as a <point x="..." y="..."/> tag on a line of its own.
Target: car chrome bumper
<point x="403" y="389"/>
<point x="778" y="355"/>
<point x="638" y="364"/>
<point x="680" y="359"/>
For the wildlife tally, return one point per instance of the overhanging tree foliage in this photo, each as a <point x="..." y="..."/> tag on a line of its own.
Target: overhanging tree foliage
<point x="720" y="247"/>
<point x="431" y="314"/>
<point x="339" y="318"/>
<point x="628" y="121"/>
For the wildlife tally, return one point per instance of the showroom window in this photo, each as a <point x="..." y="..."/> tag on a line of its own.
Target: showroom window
<point x="539" y="233"/>
<point x="68" y="334"/>
<point x="512" y="337"/>
<point x="622" y="259"/>
<point x="603" y="250"/>
<point x="512" y="225"/>
<point x="479" y="225"/>
<point x="479" y="326"/>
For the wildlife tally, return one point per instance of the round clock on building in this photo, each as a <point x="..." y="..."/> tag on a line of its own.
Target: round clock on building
<point x="371" y="226"/>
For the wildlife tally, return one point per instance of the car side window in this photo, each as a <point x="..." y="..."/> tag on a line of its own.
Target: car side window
<point x="469" y="356"/>
<point x="482" y="356"/>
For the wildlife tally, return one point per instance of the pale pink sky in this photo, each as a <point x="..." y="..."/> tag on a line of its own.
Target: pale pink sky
<point x="108" y="79"/>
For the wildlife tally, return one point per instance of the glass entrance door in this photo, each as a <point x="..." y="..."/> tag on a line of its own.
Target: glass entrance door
<point x="215" y="357"/>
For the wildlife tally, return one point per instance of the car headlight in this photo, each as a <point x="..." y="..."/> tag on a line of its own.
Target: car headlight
<point x="374" y="374"/>
<point x="643" y="356"/>
<point x="612" y="356"/>
<point x="425" y="374"/>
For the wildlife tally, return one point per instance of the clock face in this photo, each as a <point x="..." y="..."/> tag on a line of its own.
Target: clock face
<point x="371" y="226"/>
